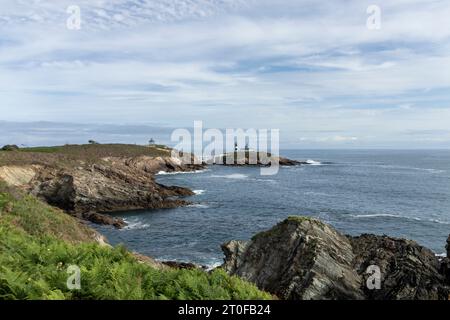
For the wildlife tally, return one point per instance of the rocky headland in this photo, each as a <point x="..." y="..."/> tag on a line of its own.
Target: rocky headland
<point x="90" y="181"/>
<point x="304" y="258"/>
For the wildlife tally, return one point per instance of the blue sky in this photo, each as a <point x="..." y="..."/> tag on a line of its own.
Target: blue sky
<point x="312" y="69"/>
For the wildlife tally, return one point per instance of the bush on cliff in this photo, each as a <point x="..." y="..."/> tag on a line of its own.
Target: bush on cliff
<point x="10" y="147"/>
<point x="38" y="243"/>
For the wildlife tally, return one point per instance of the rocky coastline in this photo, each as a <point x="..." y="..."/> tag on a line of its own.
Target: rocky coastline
<point x="91" y="189"/>
<point x="298" y="259"/>
<point x="306" y="259"/>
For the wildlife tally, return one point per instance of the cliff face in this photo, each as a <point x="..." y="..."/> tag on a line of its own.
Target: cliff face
<point x="88" y="189"/>
<point x="303" y="258"/>
<point x="409" y="271"/>
<point x="111" y="185"/>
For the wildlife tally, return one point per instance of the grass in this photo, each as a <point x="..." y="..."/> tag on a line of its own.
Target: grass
<point x="103" y="150"/>
<point x="36" y="268"/>
<point x="38" y="243"/>
<point x="69" y="155"/>
<point x="36" y="218"/>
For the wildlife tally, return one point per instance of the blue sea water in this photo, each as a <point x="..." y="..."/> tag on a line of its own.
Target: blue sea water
<point x="398" y="193"/>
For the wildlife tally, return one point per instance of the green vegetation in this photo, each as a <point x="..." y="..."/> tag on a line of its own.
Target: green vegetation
<point x="36" y="218"/>
<point x="103" y="150"/>
<point x="73" y="154"/>
<point x="38" y="243"/>
<point x="10" y="147"/>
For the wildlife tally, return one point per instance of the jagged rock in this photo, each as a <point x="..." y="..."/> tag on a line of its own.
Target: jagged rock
<point x="150" y="261"/>
<point x="408" y="270"/>
<point x="303" y="258"/>
<point x="104" y="219"/>
<point x="445" y="264"/>
<point x="300" y="258"/>
<point x="181" y="265"/>
<point x="448" y="246"/>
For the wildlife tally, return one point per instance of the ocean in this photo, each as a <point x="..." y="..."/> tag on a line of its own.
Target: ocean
<point x="397" y="193"/>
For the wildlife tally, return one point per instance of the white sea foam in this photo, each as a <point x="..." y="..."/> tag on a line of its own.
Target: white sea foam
<point x="199" y="192"/>
<point x="313" y="162"/>
<point x="313" y="193"/>
<point x="267" y="180"/>
<point x="237" y="176"/>
<point x="198" y="205"/>
<point x="387" y="215"/>
<point x="407" y="168"/>
<point x="213" y="265"/>
<point x="135" y="224"/>
<point x="376" y="215"/>
<point x="163" y="173"/>
<point x="441" y="255"/>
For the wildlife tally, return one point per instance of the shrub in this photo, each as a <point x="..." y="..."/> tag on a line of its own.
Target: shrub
<point x="36" y="268"/>
<point x="38" y="243"/>
<point x="10" y="147"/>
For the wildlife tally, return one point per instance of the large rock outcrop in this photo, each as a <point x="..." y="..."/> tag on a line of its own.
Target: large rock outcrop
<point x="303" y="258"/>
<point x="112" y="185"/>
<point x="409" y="271"/>
<point x="90" y="189"/>
<point x="297" y="259"/>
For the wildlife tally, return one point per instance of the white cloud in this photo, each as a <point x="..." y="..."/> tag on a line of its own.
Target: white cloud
<point x="283" y="64"/>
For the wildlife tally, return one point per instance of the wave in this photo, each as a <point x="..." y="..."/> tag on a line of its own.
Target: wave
<point x="376" y="215"/>
<point x="198" y="205"/>
<point x="238" y="176"/>
<point x="405" y="168"/>
<point x="135" y="225"/>
<point x="212" y="265"/>
<point x="388" y="215"/>
<point x="441" y="255"/>
<point x="164" y="173"/>
<point x="267" y="180"/>
<point x="199" y="192"/>
<point x="313" y="162"/>
<point x="313" y="193"/>
<point x="205" y="263"/>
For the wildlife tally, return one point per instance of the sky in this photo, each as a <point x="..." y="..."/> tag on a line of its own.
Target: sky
<point x="312" y="69"/>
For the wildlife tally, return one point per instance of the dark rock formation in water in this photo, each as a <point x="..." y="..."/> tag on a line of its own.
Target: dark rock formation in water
<point x="303" y="258"/>
<point x="252" y="158"/>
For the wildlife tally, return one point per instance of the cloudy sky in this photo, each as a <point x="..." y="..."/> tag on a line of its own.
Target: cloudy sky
<point x="311" y="68"/>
